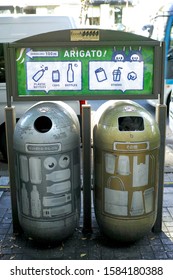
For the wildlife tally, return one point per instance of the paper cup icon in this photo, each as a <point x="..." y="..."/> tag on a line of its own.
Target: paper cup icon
<point x="123" y="165"/>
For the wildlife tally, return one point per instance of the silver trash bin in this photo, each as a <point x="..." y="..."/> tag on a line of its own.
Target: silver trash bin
<point x="47" y="163"/>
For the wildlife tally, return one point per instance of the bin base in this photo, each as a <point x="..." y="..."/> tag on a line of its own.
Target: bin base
<point x="125" y="230"/>
<point x="49" y="231"/>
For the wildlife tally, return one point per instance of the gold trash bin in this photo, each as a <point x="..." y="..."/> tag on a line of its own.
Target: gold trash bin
<point x="126" y="142"/>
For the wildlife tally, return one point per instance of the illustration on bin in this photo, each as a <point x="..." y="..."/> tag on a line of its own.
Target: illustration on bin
<point x="47" y="164"/>
<point x="126" y="143"/>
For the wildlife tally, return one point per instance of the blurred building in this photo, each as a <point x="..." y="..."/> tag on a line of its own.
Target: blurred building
<point x="58" y="7"/>
<point x="112" y="14"/>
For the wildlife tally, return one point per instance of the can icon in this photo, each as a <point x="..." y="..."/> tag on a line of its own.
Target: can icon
<point x="100" y="74"/>
<point x="55" y="76"/>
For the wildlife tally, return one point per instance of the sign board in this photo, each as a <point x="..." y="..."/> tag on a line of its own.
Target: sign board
<point x="85" y="70"/>
<point x="86" y="67"/>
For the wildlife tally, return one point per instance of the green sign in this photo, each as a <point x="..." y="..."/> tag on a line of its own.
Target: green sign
<point x="97" y="70"/>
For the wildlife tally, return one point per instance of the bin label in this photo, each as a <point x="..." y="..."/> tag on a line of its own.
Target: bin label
<point x="116" y="202"/>
<point x="131" y="146"/>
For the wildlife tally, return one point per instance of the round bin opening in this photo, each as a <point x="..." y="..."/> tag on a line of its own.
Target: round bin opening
<point x="43" y="124"/>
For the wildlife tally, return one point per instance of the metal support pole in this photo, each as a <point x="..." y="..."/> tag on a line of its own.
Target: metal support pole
<point x="161" y="112"/>
<point x="10" y="119"/>
<point x="86" y="142"/>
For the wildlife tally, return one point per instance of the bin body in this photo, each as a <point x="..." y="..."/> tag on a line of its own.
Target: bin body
<point x="126" y="146"/>
<point x="47" y="163"/>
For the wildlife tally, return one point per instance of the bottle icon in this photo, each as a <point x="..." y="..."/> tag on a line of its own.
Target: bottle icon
<point x="70" y="73"/>
<point x="25" y="200"/>
<point x="39" y="74"/>
<point x="35" y="203"/>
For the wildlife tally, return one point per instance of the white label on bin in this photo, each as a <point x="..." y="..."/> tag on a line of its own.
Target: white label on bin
<point x="116" y="202"/>
<point x="35" y="170"/>
<point x="42" y="148"/>
<point x="59" y="175"/>
<point x="56" y="200"/>
<point x="130" y="146"/>
<point x="56" y="211"/>
<point x="35" y="202"/>
<point x="24" y="171"/>
<point x="110" y="163"/>
<point x="25" y="200"/>
<point x="137" y="206"/>
<point x="140" y="171"/>
<point x="148" y="199"/>
<point x="58" y="188"/>
<point x="123" y="165"/>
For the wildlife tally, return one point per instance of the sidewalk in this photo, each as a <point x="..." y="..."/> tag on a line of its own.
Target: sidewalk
<point x="92" y="246"/>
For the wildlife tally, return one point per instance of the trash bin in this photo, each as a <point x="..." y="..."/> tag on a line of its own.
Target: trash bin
<point x="47" y="163"/>
<point x="126" y="145"/>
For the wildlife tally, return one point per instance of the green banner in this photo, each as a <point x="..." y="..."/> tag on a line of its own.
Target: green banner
<point x="101" y="70"/>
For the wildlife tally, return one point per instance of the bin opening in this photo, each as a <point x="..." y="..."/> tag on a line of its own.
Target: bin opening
<point x="131" y="123"/>
<point x="43" y="124"/>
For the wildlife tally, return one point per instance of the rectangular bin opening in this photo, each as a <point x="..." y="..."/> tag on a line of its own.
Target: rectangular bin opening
<point x="131" y="123"/>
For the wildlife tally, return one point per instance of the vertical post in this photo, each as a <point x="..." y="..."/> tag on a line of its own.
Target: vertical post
<point x="10" y="119"/>
<point x="86" y="159"/>
<point x="161" y="116"/>
<point x="161" y="112"/>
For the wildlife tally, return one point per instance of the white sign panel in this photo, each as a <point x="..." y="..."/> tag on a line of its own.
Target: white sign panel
<point x="59" y="75"/>
<point x="112" y="75"/>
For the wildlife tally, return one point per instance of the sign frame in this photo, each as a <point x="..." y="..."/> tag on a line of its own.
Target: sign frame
<point x="66" y="40"/>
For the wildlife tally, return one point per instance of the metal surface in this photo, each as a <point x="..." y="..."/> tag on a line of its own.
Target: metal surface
<point x="47" y="170"/>
<point x="161" y="114"/>
<point x="86" y="159"/>
<point x="10" y="120"/>
<point x="126" y="149"/>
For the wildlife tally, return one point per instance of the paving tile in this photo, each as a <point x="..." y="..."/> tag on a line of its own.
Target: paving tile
<point x="160" y="255"/>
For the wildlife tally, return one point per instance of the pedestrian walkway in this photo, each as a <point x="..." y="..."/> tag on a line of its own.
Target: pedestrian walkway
<point x="90" y="246"/>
